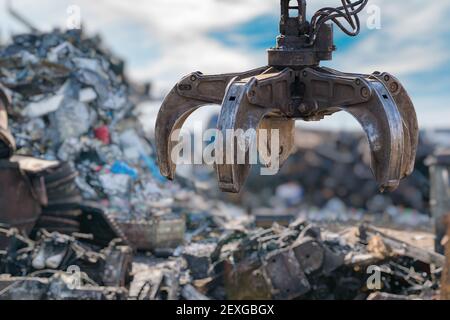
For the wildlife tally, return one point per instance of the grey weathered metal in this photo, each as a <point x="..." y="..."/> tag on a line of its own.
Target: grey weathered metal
<point x="294" y="87"/>
<point x="439" y="164"/>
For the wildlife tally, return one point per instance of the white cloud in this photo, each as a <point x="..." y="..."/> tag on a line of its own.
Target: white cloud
<point x="410" y="40"/>
<point x="413" y="40"/>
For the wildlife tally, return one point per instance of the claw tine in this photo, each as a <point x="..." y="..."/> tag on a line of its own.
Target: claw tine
<point x="409" y="117"/>
<point x="237" y="115"/>
<point x="383" y="125"/>
<point x="408" y="156"/>
<point x="172" y="115"/>
<point x="286" y="129"/>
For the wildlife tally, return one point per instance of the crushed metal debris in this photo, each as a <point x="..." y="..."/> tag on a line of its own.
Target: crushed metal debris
<point x="301" y="261"/>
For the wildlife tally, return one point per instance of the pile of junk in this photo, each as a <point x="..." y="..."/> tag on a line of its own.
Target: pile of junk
<point x="328" y="178"/>
<point x="85" y="213"/>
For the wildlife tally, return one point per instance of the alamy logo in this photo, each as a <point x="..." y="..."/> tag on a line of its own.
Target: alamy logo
<point x="374" y="18"/>
<point x="229" y="146"/>
<point x="74" y="275"/>
<point x="73" y="17"/>
<point x="374" y="280"/>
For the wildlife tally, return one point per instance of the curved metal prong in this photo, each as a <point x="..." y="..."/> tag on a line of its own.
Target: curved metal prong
<point x="407" y="112"/>
<point x="409" y="117"/>
<point x="171" y="117"/>
<point x="286" y="134"/>
<point x="383" y="125"/>
<point x="238" y="123"/>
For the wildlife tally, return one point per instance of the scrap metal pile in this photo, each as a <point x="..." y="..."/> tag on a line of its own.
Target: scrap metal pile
<point x="57" y="266"/>
<point x="339" y="166"/>
<point x="72" y="106"/>
<point x="70" y="102"/>
<point x="301" y="261"/>
<point x="327" y="168"/>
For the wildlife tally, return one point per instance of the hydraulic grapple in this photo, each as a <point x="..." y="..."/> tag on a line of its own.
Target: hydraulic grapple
<point x="295" y="87"/>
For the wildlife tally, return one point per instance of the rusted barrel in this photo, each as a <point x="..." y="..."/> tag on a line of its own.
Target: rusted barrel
<point x="7" y="143"/>
<point x="18" y="205"/>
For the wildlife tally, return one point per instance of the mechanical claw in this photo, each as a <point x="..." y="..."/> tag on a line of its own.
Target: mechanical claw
<point x="294" y="87"/>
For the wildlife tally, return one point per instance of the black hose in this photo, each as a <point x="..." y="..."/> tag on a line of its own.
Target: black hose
<point x="348" y="12"/>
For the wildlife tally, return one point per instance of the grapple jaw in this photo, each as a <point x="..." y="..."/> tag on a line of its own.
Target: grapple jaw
<point x="260" y="107"/>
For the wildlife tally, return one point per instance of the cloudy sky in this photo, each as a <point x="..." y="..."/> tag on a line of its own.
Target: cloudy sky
<point x="164" y="39"/>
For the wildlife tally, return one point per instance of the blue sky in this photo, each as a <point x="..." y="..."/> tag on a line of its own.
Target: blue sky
<point x="164" y="39"/>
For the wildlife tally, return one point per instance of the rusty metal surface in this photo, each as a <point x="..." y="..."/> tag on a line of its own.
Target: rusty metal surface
<point x="7" y="142"/>
<point x="19" y="207"/>
<point x="161" y="232"/>
<point x="56" y="287"/>
<point x="57" y="266"/>
<point x="445" y="282"/>
<point x="439" y="194"/>
<point x="302" y="261"/>
<point x="21" y="196"/>
<point x="294" y="87"/>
